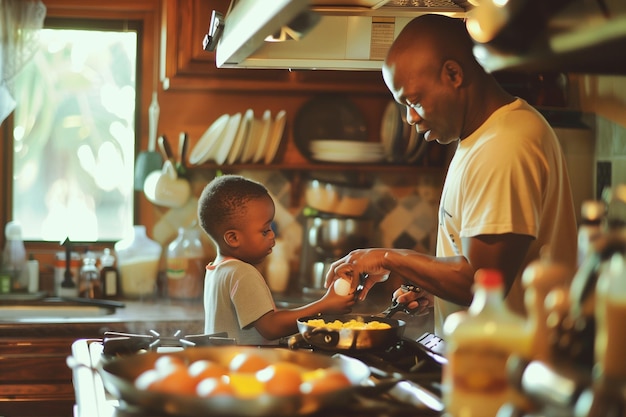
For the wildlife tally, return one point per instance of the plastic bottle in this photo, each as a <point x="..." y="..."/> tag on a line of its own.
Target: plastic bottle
<point x="475" y="382"/>
<point x="109" y="275"/>
<point x="185" y="263"/>
<point x="538" y="279"/>
<point x="610" y="343"/>
<point x="33" y="274"/>
<point x="89" y="278"/>
<point x="14" y="257"/>
<point x="138" y="261"/>
<point x="592" y="214"/>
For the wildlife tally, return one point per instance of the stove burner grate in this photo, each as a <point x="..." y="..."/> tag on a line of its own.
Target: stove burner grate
<point x="115" y="343"/>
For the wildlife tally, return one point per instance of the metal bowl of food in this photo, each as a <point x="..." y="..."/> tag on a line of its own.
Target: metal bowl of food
<point x="120" y="377"/>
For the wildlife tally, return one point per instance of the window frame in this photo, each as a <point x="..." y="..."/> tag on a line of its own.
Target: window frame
<point x="147" y="14"/>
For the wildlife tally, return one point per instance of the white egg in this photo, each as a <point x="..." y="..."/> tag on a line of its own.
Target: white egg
<point x="342" y="286"/>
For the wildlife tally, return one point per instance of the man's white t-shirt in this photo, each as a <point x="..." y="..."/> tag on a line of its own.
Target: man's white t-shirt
<point x="509" y="176"/>
<point x="235" y="296"/>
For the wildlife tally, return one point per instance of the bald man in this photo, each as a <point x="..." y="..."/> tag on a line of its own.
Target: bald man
<point x="506" y="194"/>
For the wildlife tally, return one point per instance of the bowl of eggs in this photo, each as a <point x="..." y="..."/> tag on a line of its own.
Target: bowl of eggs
<point x="232" y="380"/>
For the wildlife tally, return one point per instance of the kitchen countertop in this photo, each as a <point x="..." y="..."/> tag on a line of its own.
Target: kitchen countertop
<point x="135" y="317"/>
<point x="167" y="316"/>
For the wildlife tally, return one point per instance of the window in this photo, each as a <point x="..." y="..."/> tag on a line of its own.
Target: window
<point x="74" y="132"/>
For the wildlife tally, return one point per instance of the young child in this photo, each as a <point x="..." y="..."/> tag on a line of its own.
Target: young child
<point x="237" y="214"/>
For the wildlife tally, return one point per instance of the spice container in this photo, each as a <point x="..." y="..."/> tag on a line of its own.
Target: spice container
<point x="109" y="275"/>
<point x="138" y="261"/>
<point x="89" y="278"/>
<point x="185" y="263"/>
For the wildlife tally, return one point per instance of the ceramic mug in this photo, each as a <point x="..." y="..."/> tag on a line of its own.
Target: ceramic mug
<point x="164" y="188"/>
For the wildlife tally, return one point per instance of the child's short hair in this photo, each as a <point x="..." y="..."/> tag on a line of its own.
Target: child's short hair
<point x="222" y="202"/>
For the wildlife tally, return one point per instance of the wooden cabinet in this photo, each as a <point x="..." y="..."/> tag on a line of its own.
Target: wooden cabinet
<point x="185" y="65"/>
<point x="34" y="377"/>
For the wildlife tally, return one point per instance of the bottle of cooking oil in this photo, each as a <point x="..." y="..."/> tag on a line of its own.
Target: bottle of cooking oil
<point x="475" y="382"/>
<point x="610" y="343"/>
<point x="539" y="279"/>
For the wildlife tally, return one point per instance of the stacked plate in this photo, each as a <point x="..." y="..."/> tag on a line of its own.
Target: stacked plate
<point x="240" y="138"/>
<point x="346" y="150"/>
<point x="400" y="140"/>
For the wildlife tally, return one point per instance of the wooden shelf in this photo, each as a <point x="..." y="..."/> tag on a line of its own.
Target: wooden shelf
<point x="315" y="166"/>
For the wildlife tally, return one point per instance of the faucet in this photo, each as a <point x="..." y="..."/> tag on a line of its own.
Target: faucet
<point x="67" y="286"/>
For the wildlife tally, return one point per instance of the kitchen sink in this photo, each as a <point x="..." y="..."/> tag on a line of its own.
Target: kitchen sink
<point x="16" y="312"/>
<point x="53" y="308"/>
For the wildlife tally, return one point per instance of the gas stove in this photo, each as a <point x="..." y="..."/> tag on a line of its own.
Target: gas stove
<point x="416" y="362"/>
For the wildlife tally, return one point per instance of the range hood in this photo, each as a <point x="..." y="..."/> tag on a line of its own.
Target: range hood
<point x="584" y="36"/>
<point x="318" y="34"/>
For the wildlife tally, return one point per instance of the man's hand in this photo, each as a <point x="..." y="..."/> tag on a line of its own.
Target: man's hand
<point x="361" y="267"/>
<point x="420" y="301"/>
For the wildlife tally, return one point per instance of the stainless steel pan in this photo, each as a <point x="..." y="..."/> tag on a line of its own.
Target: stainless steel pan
<point x="119" y="374"/>
<point x="350" y="339"/>
<point x="357" y="339"/>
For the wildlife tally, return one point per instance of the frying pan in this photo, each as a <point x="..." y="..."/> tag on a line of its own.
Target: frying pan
<point x="118" y="375"/>
<point x="350" y="339"/>
<point x="358" y="339"/>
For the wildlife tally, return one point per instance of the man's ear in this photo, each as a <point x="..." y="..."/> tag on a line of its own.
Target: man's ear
<point x="231" y="238"/>
<point x="453" y="72"/>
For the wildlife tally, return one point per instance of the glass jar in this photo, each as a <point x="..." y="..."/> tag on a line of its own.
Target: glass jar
<point x="109" y="275"/>
<point x="185" y="264"/>
<point x="138" y="261"/>
<point x="14" y="257"/>
<point x="89" y="278"/>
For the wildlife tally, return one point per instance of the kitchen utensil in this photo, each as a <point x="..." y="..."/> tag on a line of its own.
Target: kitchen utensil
<point x="150" y="160"/>
<point x="181" y="163"/>
<point x="166" y="150"/>
<point x="119" y="374"/>
<point x="165" y="188"/>
<point x="424" y="304"/>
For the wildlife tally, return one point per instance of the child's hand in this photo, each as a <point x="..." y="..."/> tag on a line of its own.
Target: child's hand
<point x="333" y="303"/>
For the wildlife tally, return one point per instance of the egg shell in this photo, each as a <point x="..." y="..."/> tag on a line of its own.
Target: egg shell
<point x="342" y="286"/>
